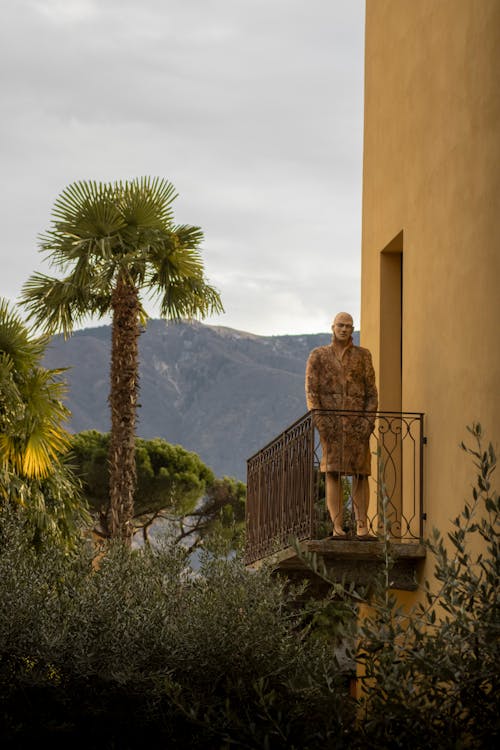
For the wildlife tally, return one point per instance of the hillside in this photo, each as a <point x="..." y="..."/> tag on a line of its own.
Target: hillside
<point x="219" y="392"/>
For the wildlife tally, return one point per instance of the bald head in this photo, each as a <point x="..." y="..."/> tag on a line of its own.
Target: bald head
<point x="342" y="327"/>
<point x="343" y="317"/>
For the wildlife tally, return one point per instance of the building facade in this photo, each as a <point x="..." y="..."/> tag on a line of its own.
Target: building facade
<point x="430" y="302"/>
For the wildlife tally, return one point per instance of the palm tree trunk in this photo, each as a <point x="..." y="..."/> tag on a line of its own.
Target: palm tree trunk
<point x="123" y="402"/>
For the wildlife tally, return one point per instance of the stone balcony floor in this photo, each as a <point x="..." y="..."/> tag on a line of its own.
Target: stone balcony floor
<point x="351" y="561"/>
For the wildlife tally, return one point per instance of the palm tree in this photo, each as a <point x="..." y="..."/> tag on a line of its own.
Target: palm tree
<point x="34" y="475"/>
<point x="114" y="242"/>
<point x="31" y="409"/>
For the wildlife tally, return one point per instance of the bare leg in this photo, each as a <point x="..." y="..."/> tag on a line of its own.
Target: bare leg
<point x="335" y="501"/>
<point x="361" y="497"/>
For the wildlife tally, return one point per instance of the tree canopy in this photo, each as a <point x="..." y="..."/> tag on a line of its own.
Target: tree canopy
<point x="104" y="233"/>
<point x="173" y="484"/>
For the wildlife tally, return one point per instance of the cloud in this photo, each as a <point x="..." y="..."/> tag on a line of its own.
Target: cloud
<point x="253" y="109"/>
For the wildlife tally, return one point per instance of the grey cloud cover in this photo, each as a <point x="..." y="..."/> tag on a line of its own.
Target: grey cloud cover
<point x="252" y="108"/>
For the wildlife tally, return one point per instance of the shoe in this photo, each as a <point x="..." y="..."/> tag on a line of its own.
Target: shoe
<point x="365" y="538"/>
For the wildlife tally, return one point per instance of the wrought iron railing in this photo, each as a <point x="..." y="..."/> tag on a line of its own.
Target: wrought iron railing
<point x="286" y="485"/>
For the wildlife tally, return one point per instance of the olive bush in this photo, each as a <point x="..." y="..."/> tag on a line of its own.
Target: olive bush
<point x="431" y="676"/>
<point x="142" y="650"/>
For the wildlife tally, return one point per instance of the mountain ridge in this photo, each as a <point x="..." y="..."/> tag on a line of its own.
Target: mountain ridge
<point x="218" y="391"/>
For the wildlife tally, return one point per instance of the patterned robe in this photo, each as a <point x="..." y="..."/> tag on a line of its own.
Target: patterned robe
<point x="343" y="382"/>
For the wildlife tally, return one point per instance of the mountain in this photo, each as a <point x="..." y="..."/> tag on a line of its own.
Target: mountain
<point x="219" y="392"/>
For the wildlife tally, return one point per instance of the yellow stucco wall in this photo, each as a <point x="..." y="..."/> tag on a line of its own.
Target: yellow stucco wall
<point x="432" y="172"/>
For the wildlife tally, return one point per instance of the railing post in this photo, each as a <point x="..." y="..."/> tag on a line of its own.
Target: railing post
<point x="312" y="519"/>
<point x="423" y="440"/>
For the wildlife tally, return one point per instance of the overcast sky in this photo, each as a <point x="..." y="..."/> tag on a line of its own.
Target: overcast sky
<point x="253" y="109"/>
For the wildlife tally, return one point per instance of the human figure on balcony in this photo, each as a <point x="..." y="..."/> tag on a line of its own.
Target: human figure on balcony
<point x="340" y="376"/>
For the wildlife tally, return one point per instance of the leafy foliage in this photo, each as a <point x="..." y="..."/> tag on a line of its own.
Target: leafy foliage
<point x="220" y="516"/>
<point x="101" y="232"/>
<point x="31" y="410"/>
<point x="168" y="476"/>
<point x="173" y="486"/>
<point x="431" y="676"/>
<point x="142" y="652"/>
<point x="34" y="474"/>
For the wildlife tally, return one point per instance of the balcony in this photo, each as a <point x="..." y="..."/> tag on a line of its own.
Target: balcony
<point x="286" y="508"/>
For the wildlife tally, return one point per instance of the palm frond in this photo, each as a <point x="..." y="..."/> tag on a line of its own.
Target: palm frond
<point x="86" y="210"/>
<point x="58" y="304"/>
<point x="40" y="453"/>
<point x="46" y="438"/>
<point x="176" y="275"/>
<point x="175" y="255"/>
<point x="15" y="340"/>
<point x="65" y="250"/>
<point x="85" y="224"/>
<point x="31" y="442"/>
<point x="44" y="390"/>
<point x="146" y="202"/>
<point x="11" y="404"/>
<point x="189" y="298"/>
<point x="188" y="236"/>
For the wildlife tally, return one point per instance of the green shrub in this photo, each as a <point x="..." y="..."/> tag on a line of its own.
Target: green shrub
<point x="432" y="675"/>
<point x="142" y="651"/>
